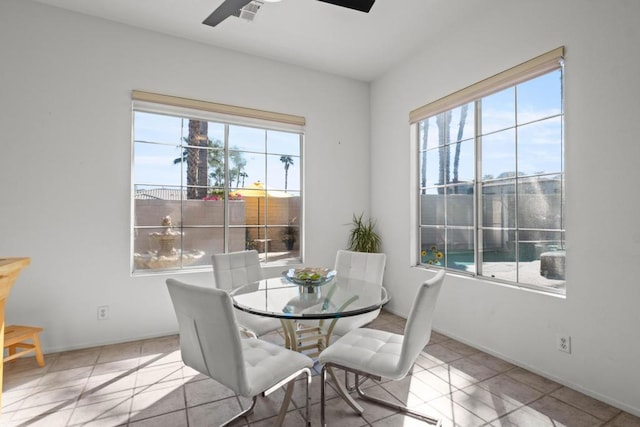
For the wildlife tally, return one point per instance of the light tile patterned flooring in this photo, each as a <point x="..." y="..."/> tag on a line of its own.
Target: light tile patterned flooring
<point x="144" y="383"/>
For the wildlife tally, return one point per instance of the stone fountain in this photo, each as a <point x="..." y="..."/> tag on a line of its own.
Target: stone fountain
<point x="167" y="256"/>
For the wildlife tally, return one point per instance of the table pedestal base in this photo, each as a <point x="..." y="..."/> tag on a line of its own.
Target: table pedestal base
<point x="294" y="339"/>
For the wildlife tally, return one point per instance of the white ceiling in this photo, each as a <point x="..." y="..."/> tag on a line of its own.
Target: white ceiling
<point x="308" y="33"/>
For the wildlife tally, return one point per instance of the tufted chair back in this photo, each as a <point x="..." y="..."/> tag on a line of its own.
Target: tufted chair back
<point x="235" y="269"/>
<point x="361" y="265"/>
<point x="210" y="341"/>
<point x="417" y="330"/>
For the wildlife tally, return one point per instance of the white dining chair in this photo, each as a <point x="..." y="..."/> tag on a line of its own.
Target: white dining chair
<point x="380" y="354"/>
<point x="234" y="269"/>
<point x="368" y="267"/>
<point x="210" y="343"/>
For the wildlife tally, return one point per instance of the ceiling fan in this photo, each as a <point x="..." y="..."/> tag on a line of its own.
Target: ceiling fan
<point x="232" y="7"/>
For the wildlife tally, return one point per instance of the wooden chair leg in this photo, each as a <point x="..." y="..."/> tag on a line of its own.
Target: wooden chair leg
<point x="39" y="355"/>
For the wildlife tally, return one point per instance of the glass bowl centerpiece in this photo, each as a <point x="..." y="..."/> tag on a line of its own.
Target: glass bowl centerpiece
<point x="309" y="276"/>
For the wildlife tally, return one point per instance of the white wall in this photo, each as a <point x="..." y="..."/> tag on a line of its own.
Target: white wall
<point x="602" y="97"/>
<point x="65" y="141"/>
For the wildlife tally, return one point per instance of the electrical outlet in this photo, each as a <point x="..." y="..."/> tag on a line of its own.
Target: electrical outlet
<point x="103" y="312"/>
<point x="563" y="343"/>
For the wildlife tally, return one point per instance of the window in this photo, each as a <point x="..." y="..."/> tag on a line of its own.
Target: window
<point x="211" y="178"/>
<point x="491" y="177"/>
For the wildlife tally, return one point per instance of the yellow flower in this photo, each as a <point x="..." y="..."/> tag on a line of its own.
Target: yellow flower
<point x="423" y="253"/>
<point x="439" y="255"/>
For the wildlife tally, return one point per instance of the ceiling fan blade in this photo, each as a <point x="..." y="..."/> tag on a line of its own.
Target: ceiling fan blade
<point x="361" y="5"/>
<point x="225" y="10"/>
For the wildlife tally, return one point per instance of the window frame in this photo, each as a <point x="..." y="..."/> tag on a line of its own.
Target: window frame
<point x="226" y="115"/>
<point x="474" y="94"/>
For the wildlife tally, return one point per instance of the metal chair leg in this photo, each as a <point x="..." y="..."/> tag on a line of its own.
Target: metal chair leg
<point x="403" y="409"/>
<point x="323" y="381"/>
<point x="308" y="381"/>
<point x="243" y="413"/>
<point x="352" y="388"/>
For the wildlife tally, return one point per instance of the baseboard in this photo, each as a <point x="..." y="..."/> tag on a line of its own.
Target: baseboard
<point x="86" y="345"/>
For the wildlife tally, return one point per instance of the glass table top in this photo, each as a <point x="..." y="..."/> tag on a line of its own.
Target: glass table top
<point x="339" y="297"/>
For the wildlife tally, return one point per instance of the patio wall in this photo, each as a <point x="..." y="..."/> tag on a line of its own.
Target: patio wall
<point x="203" y="222"/>
<point x="499" y="212"/>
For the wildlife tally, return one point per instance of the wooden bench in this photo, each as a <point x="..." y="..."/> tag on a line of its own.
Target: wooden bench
<point x="15" y="337"/>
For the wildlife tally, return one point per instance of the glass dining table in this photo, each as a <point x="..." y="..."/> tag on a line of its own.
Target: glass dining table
<point x="280" y="298"/>
<point x="309" y="312"/>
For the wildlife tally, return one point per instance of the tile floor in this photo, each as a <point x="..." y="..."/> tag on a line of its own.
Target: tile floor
<point x="144" y="383"/>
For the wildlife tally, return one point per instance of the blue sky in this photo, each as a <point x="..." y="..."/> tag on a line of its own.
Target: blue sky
<point x="536" y="126"/>
<point x="260" y="148"/>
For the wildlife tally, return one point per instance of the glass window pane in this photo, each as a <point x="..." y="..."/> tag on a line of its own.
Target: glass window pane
<point x="155" y="164"/>
<point x="203" y="212"/>
<point x="428" y="133"/>
<point x="255" y="168"/>
<point x="203" y="166"/>
<point x="461" y="126"/>
<point x="432" y="246"/>
<point x="499" y="155"/>
<point x="163" y="248"/>
<point x="283" y="143"/>
<point x="215" y="134"/>
<point x="237" y="210"/>
<point x="433" y="167"/>
<point x="150" y="212"/>
<point x="499" y="255"/>
<point x="432" y="208"/>
<point x="460" y="208"/>
<point x="283" y="172"/>
<point x="462" y="161"/>
<point x="247" y="139"/>
<point x="540" y="97"/>
<point x="540" y="147"/>
<point x="459" y="252"/>
<point x="540" y="202"/>
<point x="498" y="204"/>
<point x="498" y="111"/>
<point x="542" y="261"/>
<point x="535" y="242"/>
<point x="158" y="128"/>
<point x="237" y="167"/>
<point x="443" y="128"/>
<point x="199" y="243"/>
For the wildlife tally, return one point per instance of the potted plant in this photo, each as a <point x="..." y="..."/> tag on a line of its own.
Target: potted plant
<point x="363" y="237"/>
<point x="290" y="234"/>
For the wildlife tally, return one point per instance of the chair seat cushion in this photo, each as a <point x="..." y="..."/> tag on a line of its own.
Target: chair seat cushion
<point x="344" y="324"/>
<point x="259" y="325"/>
<point x="367" y="350"/>
<point x="347" y="324"/>
<point x="266" y="364"/>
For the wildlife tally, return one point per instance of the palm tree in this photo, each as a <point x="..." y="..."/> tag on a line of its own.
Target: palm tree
<point x="287" y="161"/>
<point x="200" y="160"/>
<point x="423" y="172"/>
<point x="196" y="159"/>
<point x="243" y="175"/>
<point x="236" y="166"/>
<point x="443" y="120"/>
<point x="456" y="158"/>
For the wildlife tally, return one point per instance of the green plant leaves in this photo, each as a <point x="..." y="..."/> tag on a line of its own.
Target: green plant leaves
<point x="363" y="237"/>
